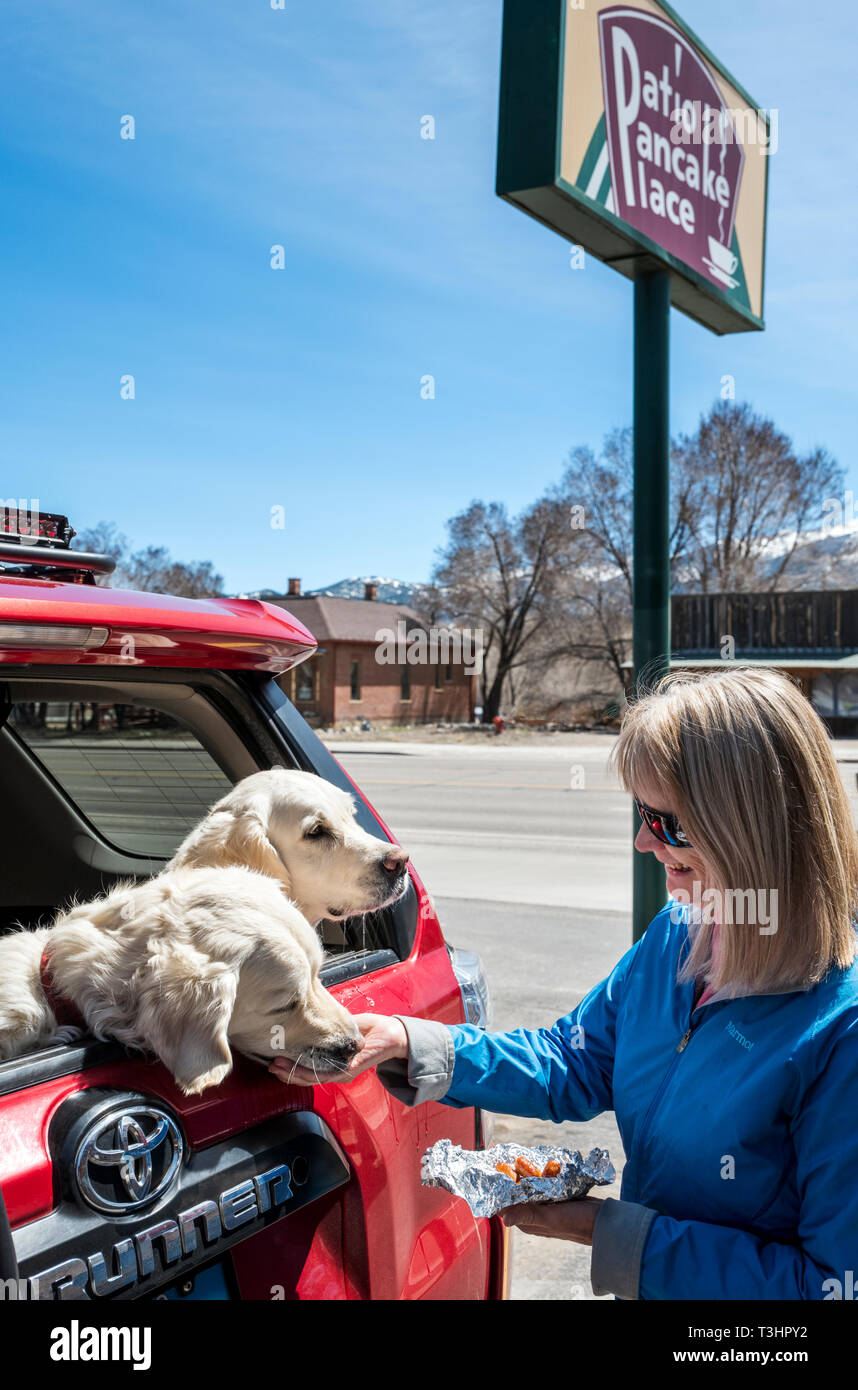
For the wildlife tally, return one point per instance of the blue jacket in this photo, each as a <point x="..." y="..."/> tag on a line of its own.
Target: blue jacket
<point x="739" y="1122"/>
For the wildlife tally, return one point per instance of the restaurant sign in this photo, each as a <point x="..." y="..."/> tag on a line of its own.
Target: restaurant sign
<point x="620" y="131"/>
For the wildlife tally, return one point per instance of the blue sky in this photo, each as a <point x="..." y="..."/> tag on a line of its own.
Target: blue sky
<point x="300" y="388"/>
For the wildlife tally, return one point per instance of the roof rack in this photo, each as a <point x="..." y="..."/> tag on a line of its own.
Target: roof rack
<point x="38" y="544"/>
<point x="50" y="562"/>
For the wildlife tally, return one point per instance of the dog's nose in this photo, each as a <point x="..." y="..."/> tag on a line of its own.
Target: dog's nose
<point x="342" y="1052"/>
<point x="395" y="860"/>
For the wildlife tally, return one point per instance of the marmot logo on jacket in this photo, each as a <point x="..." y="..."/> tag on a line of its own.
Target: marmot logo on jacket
<point x="740" y="1037"/>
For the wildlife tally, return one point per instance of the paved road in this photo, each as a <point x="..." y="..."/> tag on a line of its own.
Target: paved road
<point x="527" y="852"/>
<point x="544" y="825"/>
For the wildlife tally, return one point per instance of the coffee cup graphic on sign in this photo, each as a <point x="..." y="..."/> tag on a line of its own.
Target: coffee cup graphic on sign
<point x="722" y="256"/>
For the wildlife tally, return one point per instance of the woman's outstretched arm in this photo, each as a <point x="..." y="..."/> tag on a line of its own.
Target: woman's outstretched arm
<point x="560" y="1073"/>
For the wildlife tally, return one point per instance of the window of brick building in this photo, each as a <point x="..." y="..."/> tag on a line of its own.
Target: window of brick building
<point x="438" y="682"/>
<point x="305" y="682"/>
<point x="404" y="683"/>
<point x="355" y="680"/>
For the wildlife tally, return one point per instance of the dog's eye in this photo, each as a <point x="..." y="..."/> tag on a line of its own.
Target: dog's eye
<point x="317" y="832"/>
<point x="284" y="1008"/>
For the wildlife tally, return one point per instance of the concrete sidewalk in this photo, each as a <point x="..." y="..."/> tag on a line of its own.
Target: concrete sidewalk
<point x="845" y="749"/>
<point x="577" y="743"/>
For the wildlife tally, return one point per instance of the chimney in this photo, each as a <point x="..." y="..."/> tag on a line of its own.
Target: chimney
<point x="294" y="588"/>
<point x="370" y="591"/>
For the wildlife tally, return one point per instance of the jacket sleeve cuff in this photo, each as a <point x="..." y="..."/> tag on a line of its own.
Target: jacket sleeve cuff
<point x="428" y="1071"/>
<point x="619" y="1236"/>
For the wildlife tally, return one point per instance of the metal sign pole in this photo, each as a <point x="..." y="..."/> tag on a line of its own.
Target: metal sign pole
<point x="651" y="587"/>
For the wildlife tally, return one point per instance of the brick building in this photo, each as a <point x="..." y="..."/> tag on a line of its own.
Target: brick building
<point x="346" y="681"/>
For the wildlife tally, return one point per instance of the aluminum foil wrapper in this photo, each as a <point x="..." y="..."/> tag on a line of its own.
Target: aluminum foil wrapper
<point x="474" y="1175"/>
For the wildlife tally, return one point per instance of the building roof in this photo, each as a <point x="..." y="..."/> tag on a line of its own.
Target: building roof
<point x="347" y="619"/>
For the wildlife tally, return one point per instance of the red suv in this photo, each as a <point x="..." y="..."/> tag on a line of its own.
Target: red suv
<point x="123" y="717"/>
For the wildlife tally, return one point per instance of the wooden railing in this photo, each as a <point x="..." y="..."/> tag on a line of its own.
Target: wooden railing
<point x="811" y="623"/>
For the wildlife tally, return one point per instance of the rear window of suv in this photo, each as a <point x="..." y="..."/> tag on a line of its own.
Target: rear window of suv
<point x="140" y="776"/>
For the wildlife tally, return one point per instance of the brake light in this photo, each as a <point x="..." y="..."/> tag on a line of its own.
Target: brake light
<point x="476" y="997"/>
<point x="40" y="635"/>
<point x="471" y="977"/>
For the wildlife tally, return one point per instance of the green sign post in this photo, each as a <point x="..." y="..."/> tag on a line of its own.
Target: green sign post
<point x="621" y="132"/>
<point x="651" y="558"/>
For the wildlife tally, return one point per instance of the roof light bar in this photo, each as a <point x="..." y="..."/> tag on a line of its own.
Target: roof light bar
<point x="29" y="526"/>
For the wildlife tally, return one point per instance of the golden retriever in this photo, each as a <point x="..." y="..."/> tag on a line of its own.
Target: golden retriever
<point x="219" y="950"/>
<point x="301" y="830"/>
<point x="186" y="965"/>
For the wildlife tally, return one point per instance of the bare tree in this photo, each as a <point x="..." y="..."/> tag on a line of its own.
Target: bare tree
<point x="497" y="574"/>
<point x="741" y="503"/>
<point x="600" y="495"/>
<point x="748" y="497"/>
<point x="154" y="571"/>
<point x="151" y="570"/>
<point x="591" y="623"/>
<point x="431" y="604"/>
<point x="103" y="539"/>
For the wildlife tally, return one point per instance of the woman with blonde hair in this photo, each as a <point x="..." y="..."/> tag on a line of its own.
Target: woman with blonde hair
<point x="725" y="1040"/>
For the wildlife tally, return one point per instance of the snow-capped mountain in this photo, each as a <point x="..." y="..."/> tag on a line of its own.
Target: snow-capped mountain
<point x="823" y="559"/>
<point x="389" y="590"/>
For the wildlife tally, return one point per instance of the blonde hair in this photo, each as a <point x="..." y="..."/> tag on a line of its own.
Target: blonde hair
<point x="749" y="770"/>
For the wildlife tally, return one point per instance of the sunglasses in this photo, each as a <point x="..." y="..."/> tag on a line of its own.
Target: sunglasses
<point x="664" y="825"/>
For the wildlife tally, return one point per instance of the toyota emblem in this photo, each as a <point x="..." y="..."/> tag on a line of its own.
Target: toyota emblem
<point x="128" y="1158"/>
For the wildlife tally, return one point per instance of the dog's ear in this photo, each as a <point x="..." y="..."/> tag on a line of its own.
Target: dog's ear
<point x="248" y="843"/>
<point x="185" y="1008"/>
<point x="230" y="836"/>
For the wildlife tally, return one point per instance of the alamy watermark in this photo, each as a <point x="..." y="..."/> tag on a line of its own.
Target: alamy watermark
<point x="733" y="906"/>
<point x="838" y="513"/>
<point x="20" y="515"/>
<point x="434" y="646"/>
<point x="845" y="1288"/>
<point x="698" y="123"/>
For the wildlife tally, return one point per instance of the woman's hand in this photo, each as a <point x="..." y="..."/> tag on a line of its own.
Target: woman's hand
<point x="562" y="1220"/>
<point x="383" y="1039"/>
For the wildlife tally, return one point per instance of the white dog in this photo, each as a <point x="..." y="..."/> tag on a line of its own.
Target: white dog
<point x="184" y="965"/>
<point x="301" y="830"/>
<point x="218" y="949"/>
